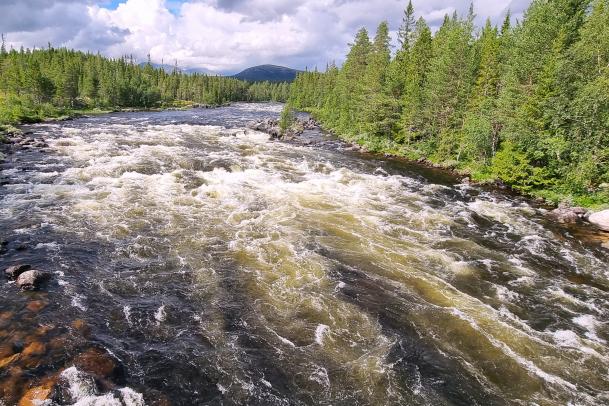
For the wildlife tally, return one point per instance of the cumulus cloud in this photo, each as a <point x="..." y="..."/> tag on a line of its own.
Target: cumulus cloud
<point x="219" y="35"/>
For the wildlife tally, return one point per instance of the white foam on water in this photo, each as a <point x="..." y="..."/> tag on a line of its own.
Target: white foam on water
<point x="84" y="391"/>
<point x="53" y="246"/>
<point x="79" y="384"/>
<point x="77" y="301"/>
<point x="320" y="332"/>
<point x="320" y="375"/>
<point x="127" y="313"/>
<point x="590" y="323"/>
<point x="282" y="339"/>
<point x="131" y="397"/>
<point x="566" y="338"/>
<point x="506" y="295"/>
<point x="160" y="315"/>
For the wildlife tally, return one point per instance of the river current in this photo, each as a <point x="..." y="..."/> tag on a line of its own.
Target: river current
<point x="217" y="267"/>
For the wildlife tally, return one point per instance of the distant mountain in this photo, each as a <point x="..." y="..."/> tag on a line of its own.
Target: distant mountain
<point x="272" y="73"/>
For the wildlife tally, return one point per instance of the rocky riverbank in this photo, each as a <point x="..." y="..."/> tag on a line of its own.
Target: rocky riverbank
<point x="271" y="126"/>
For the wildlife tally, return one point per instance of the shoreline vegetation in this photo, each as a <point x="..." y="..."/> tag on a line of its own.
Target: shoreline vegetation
<point x="54" y="84"/>
<point x="525" y="105"/>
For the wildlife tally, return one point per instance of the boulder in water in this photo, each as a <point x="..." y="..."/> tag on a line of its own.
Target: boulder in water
<point x="600" y="219"/>
<point x="569" y="215"/>
<point x="99" y="364"/>
<point x="31" y="280"/>
<point x="39" y="395"/>
<point x="14" y="271"/>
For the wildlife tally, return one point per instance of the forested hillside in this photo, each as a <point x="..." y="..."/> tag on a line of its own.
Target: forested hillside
<point x="271" y="73"/>
<point x="35" y="84"/>
<point x="527" y="103"/>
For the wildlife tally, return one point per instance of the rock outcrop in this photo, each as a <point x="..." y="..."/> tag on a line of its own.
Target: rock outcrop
<point x="600" y="219"/>
<point x="569" y="215"/>
<point x="271" y="127"/>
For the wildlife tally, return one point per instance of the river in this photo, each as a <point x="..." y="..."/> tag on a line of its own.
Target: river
<point x="209" y="265"/>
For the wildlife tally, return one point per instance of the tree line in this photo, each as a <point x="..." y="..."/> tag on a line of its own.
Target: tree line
<point x="40" y="83"/>
<point x="525" y="103"/>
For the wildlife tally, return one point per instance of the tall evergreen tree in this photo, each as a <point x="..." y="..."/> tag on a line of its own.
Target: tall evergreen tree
<point x="407" y="27"/>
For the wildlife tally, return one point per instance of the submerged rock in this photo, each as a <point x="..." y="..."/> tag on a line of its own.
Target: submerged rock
<point x="600" y="219"/>
<point x="98" y="363"/>
<point x="38" y="395"/>
<point x="14" y="271"/>
<point x="31" y="280"/>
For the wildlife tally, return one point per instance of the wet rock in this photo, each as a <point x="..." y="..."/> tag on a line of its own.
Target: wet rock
<point x="266" y="125"/>
<point x="25" y="141"/>
<point x="32" y="280"/>
<point x="34" y="349"/>
<point x="568" y="215"/>
<point x="36" y="396"/>
<point x="310" y="124"/>
<point x="14" y="271"/>
<point x="58" y="342"/>
<point x="98" y="363"/>
<point x="44" y="329"/>
<point x="36" y="305"/>
<point x="82" y="327"/>
<point x="271" y="127"/>
<point x="39" y="395"/>
<point x="11" y="385"/>
<point x="600" y="219"/>
<point x="6" y="350"/>
<point x="5" y="316"/>
<point x="4" y="362"/>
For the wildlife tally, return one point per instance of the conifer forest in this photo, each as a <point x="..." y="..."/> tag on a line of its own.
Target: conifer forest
<point x="526" y="103"/>
<point x="43" y="83"/>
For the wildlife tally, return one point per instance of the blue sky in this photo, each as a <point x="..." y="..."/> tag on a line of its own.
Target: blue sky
<point x="222" y="36"/>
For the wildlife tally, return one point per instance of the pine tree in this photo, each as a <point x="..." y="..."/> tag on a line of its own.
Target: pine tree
<point x="448" y="86"/>
<point x="416" y="80"/>
<point x="349" y="89"/>
<point x="480" y="135"/>
<point x="379" y="111"/>
<point x="407" y="27"/>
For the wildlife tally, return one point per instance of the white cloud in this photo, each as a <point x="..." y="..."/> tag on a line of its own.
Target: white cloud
<point x="220" y="35"/>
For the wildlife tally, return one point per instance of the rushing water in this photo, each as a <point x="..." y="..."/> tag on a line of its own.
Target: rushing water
<point x="222" y="268"/>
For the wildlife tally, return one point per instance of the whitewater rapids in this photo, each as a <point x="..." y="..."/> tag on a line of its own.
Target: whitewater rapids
<point x="224" y="268"/>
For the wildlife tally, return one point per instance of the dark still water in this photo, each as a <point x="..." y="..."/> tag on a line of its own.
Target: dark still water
<point x="196" y="262"/>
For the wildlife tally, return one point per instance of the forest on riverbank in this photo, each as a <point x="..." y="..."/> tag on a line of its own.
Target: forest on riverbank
<point x="46" y="83"/>
<point x="524" y="103"/>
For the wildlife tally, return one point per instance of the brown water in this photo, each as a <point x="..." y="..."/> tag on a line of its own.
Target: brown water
<point x="217" y="267"/>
